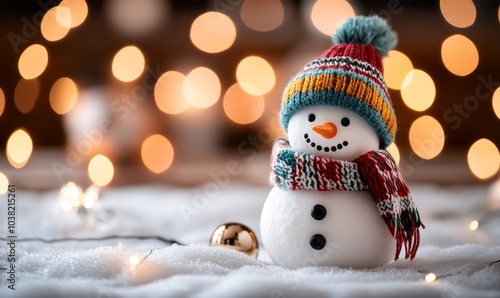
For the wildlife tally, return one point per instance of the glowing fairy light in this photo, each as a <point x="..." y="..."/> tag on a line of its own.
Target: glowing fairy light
<point x="242" y="107"/>
<point x="157" y="153"/>
<point x="56" y="23"/>
<point x="70" y="196"/>
<point x="26" y="94"/>
<point x="101" y="170"/>
<point x="213" y="32"/>
<point x="63" y="95"/>
<point x="4" y="183"/>
<point x="133" y="261"/>
<point x="78" y="11"/>
<point x="483" y="159"/>
<point x="168" y="93"/>
<point x="394" y="151"/>
<point x="33" y="61"/>
<point x="459" y="55"/>
<point x="202" y="87"/>
<point x="431" y="277"/>
<point x="19" y="148"/>
<point x="262" y="15"/>
<point x="2" y="101"/>
<point x="255" y="75"/>
<point x="418" y="90"/>
<point x="328" y="15"/>
<point x="459" y="13"/>
<point x="474" y="225"/>
<point x="495" y="101"/>
<point x="128" y="64"/>
<point x="396" y="67"/>
<point x="426" y="137"/>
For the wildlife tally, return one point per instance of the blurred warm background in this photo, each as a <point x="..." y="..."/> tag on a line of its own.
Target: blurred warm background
<point x="154" y="91"/>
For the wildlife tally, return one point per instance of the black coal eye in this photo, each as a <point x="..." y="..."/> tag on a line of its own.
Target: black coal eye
<point x="311" y="117"/>
<point x="345" y="121"/>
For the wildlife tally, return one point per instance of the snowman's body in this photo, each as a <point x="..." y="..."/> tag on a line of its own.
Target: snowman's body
<point x="327" y="228"/>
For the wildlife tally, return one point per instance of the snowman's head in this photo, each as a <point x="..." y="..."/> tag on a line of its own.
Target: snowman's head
<point x="332" y="132"/>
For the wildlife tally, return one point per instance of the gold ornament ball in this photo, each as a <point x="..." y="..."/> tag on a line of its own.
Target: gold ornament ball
<point x="236" y="236"/>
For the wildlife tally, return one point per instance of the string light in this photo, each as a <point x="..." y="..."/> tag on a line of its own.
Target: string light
<point x="202" y="87"/>
<point x="78" y="10"/>
<point x="418" y="90"/>
<point x="213" y="32"/>
<point x="426" y="137"/>
<point x="4" y="183"/>
<point x="101" y="170"/>
<point x="133" y="261"/>
<point x="459" y="55"/>
<point x="483" y="159"/>
<point x="2" y="101"/>
<point x="262" y="15"/>
<point x="328" y="15"/>
<point x="56" y="23"/>
<point x="19" y="148"/>
<point x="473" y="225"/>
<point x="431" y="277"/>
<point x="128" y="64"/>
<point x="33" y="61"/>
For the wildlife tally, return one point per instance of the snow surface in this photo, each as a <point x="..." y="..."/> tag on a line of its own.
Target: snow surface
<point x="459" y="257"/>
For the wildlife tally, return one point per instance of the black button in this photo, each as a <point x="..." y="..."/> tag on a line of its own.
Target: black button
<point x="318" y="212"/>
<point x="317" y="242"/>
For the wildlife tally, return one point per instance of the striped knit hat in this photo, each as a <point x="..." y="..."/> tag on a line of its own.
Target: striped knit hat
<point x="349" y="75"/>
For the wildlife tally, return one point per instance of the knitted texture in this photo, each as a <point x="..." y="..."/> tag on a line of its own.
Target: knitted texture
<point x="375" y="171"/>
<point x="348" y="75"/>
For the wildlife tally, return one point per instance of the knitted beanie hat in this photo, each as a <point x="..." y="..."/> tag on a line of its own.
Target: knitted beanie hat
<point x="348" y="75"/>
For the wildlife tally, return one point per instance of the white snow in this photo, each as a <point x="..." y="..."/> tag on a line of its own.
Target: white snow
<point x="459" y="257"/>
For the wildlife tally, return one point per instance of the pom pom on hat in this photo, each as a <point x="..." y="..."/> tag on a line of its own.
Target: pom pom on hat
<point x="349" y="75"/>
<point x="367" y="31"/>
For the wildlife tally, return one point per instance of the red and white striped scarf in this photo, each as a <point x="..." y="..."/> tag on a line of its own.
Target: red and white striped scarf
<point x="375" y="171"/>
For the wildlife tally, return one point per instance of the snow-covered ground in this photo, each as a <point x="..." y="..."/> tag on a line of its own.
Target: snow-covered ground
<point x="458" y="256"/>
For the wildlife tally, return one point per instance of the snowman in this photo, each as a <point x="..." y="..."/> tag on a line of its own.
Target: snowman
<point x="338" y="198"/>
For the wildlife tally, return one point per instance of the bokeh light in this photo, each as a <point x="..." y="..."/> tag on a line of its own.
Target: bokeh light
<point x="19" y="148"/>
<point x="328" y="15"/>
<point x="201" y="87"/>
<point x="459" y="55"/>
<point x="483" y="159"/>
<point x="426" y="137"/>
<point x="78" y="10"/>
<point x="33" y="61"/>
<point x="56" y="23"/>
<point x="4" y="183"/>
<point x="2" y="102"/>
<point x="101" y="170"/>
<point x="136" y="18"/>
<point x="213" y="32"/>
<point x="394" y="151"/>
<point x="418" y="90"/>
<point x="128" y="64"/>
<point x="431" y="277"/>
<point x="157" y="153"/>
<point x="495" y="102"/>
<point x="168" y="93"/>
<point x="459" y="13"/>
<point x="262" y="15"/>
<point x="255" y="75"/>
<point x="242" y="107"/>
<point x="396" y="67"/>
<point x="26" y="94"/>
<point x="473" y="225"/>
<point x="63" y="95"/>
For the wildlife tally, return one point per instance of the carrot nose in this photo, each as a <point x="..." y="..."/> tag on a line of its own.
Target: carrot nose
<point x="327" y="130"/>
